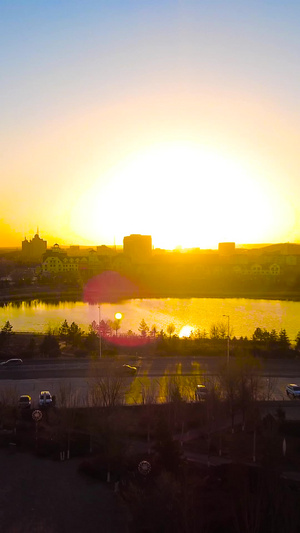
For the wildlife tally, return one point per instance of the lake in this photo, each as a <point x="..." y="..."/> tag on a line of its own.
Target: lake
<point x="245" y="314"/>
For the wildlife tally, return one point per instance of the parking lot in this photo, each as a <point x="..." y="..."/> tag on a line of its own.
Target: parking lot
<point x="46" y="496"/>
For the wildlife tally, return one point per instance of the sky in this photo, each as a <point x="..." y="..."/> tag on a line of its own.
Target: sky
<point x="178" y="119"/>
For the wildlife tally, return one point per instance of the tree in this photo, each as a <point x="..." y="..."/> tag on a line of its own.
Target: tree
<point x="153" y="331"/>
<point x="170" y="329"/>
<point x="92" y="340"/>
<point x="50" y="347"/>
<point x="284" y="340"/>
<point x="116" y="325"/>
<point x="228" y="377"/>
<point x="108" y="391"/>
<point x="143" y="328"/>
<point x="7" y="328"/>
<point x="297" y="341"/>
<point x="105" y="327"/>
<point x="260" y="335"/>
<point x="198" y="334"/>
<point x="241" y="385"/>
<point x="30" y="349"/>
<point x="71" y="334"/>
<point x="6" y="333"/>
<point x="218" y="330"/>
<point x="155" y="504"/>
<point x="75" y="334"/>
<point x="64" y="330"/>
<point x="168" y="450"/>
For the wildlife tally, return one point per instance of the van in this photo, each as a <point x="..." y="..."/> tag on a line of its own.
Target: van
<point x="45" y="398"/>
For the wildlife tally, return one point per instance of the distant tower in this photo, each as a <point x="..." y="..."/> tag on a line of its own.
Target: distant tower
<point x="226" y="248"/>
<point x="138" y="247"/>
<point x="33" y="250"/>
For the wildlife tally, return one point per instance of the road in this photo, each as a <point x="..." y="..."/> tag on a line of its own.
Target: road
<point x="152" y="366"/>
<point x="77" y="376"/>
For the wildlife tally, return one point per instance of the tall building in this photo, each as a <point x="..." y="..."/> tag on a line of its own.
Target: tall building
<point x="138" y="247"/>
<point x="34" y="249"/>
<point x="226" y="248"/>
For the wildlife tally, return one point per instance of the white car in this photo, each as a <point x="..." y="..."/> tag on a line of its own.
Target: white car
<point x="293" y="390"/>
<point x="11" y="363"/>
<point x="45" y="398"/>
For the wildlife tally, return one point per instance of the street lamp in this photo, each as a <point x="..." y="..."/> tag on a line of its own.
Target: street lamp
<point x="227" y="316"/>
<point x="118" y="318"/>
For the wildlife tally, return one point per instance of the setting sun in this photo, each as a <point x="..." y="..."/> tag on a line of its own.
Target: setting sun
<point x="185" y="331"/>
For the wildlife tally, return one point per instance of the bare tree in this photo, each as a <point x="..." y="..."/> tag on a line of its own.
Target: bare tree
<point x="241" y="385"/>
<point x="218" y="330"/>
<point x="149" y="390"/>
<point x="229" y="381"/>
<point x="8" y="396"/>
<point x="69" y="397"/>
<point x="170" y="329"/>
<point x="108" y="391"/>
<point x="271" y="386"/>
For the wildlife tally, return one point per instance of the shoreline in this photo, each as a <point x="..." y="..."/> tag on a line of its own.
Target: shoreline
<point x="7" y="297"/>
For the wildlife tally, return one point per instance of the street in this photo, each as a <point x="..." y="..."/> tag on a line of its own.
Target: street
<point x="77" y="377"/>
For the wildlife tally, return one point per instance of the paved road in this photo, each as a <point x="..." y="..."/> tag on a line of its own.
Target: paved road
<point x="76" y="377"/>
<point x="152" y="366"/>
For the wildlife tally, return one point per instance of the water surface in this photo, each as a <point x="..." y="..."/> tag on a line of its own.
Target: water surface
<point x="245" y="314"/>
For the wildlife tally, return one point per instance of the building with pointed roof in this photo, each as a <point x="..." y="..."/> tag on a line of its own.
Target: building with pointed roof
<point x="33" y="250"/>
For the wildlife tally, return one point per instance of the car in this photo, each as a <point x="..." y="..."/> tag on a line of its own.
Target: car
<point x="45" y="398"/>
<point x="11" y="363"/>
<point x="201" y="392"/>
<point x="293" y="390"/>
<point x="128" y="369"/>
<point x="24" y="401"/>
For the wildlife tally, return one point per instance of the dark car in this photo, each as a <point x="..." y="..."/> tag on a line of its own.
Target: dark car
<point x="24" y="401"/>
<point x="11" y="363"/>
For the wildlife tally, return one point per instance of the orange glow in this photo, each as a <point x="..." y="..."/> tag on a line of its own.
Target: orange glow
<point x="182" y="194"/>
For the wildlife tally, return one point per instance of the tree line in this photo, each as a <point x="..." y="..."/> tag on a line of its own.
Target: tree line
<point x="71" y="336"/>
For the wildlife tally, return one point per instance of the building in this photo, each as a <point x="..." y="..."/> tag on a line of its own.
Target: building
<point x="54" y="260"/>
<point x="226" y="248"/>
<point x="138" y="247"/>
<point x="34" y="249"/>
<point x="57" y="260"/>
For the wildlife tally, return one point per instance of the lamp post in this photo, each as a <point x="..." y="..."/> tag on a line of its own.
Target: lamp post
<point x="118" y="318"/>
<point x="227" y="316"/>
<point x="100" y="346"/>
